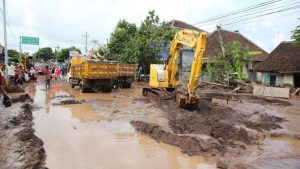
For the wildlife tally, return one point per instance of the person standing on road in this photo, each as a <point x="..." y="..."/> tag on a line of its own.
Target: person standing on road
<point x="57" y="73"/>
<point x="10" y="73"/>
<point x="47" y="74"/>
<point x="6" y="100"/>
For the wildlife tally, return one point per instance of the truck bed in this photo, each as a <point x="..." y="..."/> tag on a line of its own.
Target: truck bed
<point x="95" y="70"/>
<point x="102" y="70"/>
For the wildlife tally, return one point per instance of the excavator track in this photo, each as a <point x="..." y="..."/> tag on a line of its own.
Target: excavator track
<point x="156" y="94"/>
<point x="161" y="94"/>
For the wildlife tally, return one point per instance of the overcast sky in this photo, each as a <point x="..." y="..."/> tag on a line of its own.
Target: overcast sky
<point x="63" y="22"/>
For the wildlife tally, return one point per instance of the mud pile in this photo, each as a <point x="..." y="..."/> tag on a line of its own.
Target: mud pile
<point x="14" y="89"/>
<point x="211" y="130"/>
<point x="65" y="100"/>
<point x="19" y="147"/>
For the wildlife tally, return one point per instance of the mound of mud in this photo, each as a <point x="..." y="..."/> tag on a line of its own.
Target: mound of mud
<point x="192" y="145"/>
<point x="66" y="102"/>
<point x="62" y="96"/>
<point x="230" y="128"/>
<point x="22" y="98"/>
<point x="19" y="147"/>
<point x="14" y="89"/>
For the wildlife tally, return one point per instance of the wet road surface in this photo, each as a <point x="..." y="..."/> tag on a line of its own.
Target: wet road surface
<point x="97" y="134"/>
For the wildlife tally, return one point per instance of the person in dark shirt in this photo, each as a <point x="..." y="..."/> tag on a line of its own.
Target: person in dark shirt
<point x="47" y="74"/>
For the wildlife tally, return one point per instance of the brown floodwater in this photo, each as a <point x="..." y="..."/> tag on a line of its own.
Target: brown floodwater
<point x="97" y="134"/>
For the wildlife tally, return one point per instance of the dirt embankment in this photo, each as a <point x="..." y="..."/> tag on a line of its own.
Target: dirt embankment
<point x="211" y="130"/>
<point x="19" y="147"/>
<point x="14" y="89"/>
<point x="65" y="100"/>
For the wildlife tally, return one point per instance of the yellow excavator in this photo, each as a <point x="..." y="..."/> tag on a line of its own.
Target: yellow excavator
<point x="164" y="78"/>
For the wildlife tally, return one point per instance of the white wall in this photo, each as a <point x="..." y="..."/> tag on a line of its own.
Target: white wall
<point x="279" y="79"/>
<point x="259" y="76"/>
<point x="288" y="79"/>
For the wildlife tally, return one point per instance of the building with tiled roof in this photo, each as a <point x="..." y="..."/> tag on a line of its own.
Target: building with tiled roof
<point x="213" y="45"/>
<point x="282" y="67"/>
<point x="183" y="25"/>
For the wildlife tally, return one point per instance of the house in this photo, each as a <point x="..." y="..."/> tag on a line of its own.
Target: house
<point x="282" y="67"/>
<point x="221" y="36"/>
<point x="182" y="25"/>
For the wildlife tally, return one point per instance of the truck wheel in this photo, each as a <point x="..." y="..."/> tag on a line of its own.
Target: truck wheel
<point x="71" y="84"/>
<point x="82" y="89"/>
<point x="106" y="89"/>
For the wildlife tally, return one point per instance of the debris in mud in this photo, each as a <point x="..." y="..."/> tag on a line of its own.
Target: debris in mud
<point x="66" y="102"/>
<point x="62" y="96"/>
<point x="285" y="133"/>
<point x="228" y="128"/>
<point x="190" y="144"/>
<point x="22" y="98"/>
<point x="248" y="98"/>
<point x="14" y="89"/>
<point x="19" y="147"/>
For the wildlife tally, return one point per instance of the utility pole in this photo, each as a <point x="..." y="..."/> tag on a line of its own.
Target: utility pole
<point x="221" y="40"/>
<point x="57" y="48"/>
<point x="85" y="36"/>
<point x="20" y="43"/>
<point x="5" y="38"/>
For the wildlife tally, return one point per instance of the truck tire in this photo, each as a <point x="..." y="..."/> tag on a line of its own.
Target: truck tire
<point x="82" y="89"/>
<point x="106" y="89"/>
<point x="126" y="85"/>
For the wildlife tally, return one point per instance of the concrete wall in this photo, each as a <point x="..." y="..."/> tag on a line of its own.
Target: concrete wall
<point x="279" y="79"/>
<point x="259" y="76"/>
<point x="288" y="79"/>
<point x="282" y="80"/>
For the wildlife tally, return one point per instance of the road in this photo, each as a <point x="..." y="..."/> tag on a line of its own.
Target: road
<point x="97" y="133"/>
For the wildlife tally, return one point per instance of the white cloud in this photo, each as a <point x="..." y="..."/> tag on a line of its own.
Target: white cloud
<point x="63" y="22"/>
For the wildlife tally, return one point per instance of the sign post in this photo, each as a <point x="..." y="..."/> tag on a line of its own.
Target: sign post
<point x="28" y="41"/>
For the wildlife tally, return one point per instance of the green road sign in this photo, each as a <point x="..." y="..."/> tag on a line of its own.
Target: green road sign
<point x="30" y="40"/>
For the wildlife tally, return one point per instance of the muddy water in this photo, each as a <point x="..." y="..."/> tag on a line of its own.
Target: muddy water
<point x="97" y="133"/>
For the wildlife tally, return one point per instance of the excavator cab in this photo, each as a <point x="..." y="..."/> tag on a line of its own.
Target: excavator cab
<point x="164" y="82"/>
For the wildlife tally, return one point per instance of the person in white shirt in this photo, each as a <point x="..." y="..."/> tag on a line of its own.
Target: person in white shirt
<point x="11" y="73"/>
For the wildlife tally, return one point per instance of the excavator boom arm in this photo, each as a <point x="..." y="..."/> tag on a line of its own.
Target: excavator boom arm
<point x="192" y="39"/>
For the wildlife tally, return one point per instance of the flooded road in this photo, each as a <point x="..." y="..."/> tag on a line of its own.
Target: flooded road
<point x="97" y="133"/>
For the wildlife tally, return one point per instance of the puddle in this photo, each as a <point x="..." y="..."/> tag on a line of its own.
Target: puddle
<point x="97" y="134"/>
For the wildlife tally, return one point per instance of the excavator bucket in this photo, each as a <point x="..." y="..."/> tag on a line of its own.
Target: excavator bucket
<point x="187" y="103"/>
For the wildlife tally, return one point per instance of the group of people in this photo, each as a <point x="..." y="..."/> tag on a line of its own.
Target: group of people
<point x="53" y="73"/>
<point x="18" y="75"/>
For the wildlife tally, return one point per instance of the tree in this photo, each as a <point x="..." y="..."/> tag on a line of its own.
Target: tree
<point x="44" y="54"/>
<point x="118" y="41"/>
<point x="64" y="54"/>
<point x="152" y="37"/>
<point x="142" y="44"/>
<point x="14" y="55"/>
<point x="235" y="54"/>
<point x="296" y="34"/>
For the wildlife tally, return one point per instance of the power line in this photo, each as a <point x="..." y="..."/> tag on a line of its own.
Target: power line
<point x="258" y="16"/>
<point x="255" y="13"/>
<point x="238" y="11"/>
<point x="8" y="25"/>
<point x="297" y="12"/>
<point x="282" y="10"/>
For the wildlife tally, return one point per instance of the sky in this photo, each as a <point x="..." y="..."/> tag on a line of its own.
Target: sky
<point x="64" y="22"/>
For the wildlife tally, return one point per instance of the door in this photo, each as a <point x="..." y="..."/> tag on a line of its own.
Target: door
<point x="272" y="80"/>
<point x="297" y="79"/>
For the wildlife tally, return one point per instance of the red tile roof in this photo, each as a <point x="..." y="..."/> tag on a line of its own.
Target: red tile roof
<point x="182" y="25"/>
<point x="213" y="46"/>
<point x="285" y="58"/>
